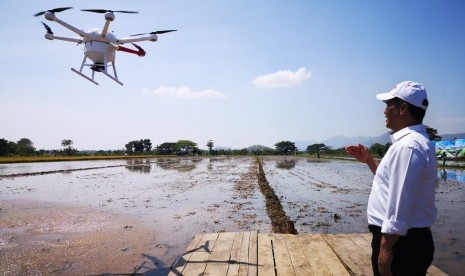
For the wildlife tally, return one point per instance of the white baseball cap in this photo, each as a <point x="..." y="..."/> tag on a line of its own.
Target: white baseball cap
<point x="409" y="91"/>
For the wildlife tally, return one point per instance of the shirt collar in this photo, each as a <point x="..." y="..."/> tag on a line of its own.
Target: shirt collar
<point x="407" y="130"/>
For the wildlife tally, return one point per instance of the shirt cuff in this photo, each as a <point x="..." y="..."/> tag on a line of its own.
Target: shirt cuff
<point x="394" y="227"/>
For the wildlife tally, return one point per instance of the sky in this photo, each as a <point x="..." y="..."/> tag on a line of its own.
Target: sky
<point x="239" y="73"/>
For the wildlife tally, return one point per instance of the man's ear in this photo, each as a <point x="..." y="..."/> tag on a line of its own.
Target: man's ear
<point x="403" y="108"/>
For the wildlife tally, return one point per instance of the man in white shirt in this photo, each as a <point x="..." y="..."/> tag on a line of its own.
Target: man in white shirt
<point x="401" y="206"/>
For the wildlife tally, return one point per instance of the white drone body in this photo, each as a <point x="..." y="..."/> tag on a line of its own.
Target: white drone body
<point x="100" y="46"/>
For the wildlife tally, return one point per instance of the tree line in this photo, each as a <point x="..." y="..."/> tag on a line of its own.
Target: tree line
<point x="25" y="147"/>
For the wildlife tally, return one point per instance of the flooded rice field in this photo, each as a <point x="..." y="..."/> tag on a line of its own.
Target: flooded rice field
<point x="137" y="216"/>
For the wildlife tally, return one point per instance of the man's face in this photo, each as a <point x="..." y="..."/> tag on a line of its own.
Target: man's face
<point x="392" y="113"/>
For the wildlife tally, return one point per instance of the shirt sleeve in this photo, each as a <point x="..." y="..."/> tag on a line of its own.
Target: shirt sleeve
<point x="405" y="171"/>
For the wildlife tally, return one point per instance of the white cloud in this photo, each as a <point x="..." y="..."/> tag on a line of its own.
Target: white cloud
<point x="283" y="78"/>
<point x="184" y="92"/>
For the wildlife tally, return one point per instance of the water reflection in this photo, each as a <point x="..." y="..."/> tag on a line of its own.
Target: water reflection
<point x="178" y="164"/>
<point x="451" y="174"/>
<point x="139" y="165"/>
<point x="286" y="164"/>
<point x="213" y="160"/>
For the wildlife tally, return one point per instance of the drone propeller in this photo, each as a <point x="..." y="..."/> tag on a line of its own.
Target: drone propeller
<point x="138" y="47"/>
<point x="53" y="11"/>
<point x="105" y="11"/>
<point x="157" y="32"/>
<point x="49" y="31"/>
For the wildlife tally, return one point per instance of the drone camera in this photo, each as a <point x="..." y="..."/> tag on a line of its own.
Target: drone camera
<point x="97" y="67"/>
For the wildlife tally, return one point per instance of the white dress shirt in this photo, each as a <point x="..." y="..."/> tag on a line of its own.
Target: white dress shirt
<point x="402" y="195"/>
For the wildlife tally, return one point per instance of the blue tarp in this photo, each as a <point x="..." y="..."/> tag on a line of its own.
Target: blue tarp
<point x="451" y="148"/>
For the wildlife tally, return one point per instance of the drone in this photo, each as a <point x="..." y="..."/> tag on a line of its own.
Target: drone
<point x="100" y="45"/>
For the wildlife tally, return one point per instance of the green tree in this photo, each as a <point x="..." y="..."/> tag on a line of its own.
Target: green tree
<point x="134" y="147"/>
<point x="260" y="150"/>
<point x="210" y="145"/>
<point x="378" y="149"/>
<point x="25" y="147"/>
<point x="147" y="145"/>
<point x="184" y="147"/>
<point x="285" y="147"/>
<point x="138" y="146"/>
<point x="129" y="148"/>
<point x="67" y="144"/>
<point x="166" y="148"/>
<point x="315" y="148"/>
<point x="7" y="147"/>
<point x="433" y="134"/>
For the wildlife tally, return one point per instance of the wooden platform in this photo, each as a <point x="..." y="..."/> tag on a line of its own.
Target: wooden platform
<point x="252" y="253"/>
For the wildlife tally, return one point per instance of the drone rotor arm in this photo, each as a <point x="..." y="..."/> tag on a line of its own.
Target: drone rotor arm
<point x="105" y="28"/>
<point x="63" y="38"/>
<point x="152" y="37"/>
<point x="70" y="27"/>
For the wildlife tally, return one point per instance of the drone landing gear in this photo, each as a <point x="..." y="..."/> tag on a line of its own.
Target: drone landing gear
<point x="97" y="67"/>
<point x="84" y="76"/>
<point x="110" y="76"/>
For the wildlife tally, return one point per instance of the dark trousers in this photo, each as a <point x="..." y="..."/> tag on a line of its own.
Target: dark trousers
<point x="413" y="253"/>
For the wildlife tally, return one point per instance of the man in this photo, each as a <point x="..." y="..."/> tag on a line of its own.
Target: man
<point x="401" y="205"/>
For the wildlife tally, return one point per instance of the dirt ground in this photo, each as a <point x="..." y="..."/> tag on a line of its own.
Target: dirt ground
<point x="52" y="239"/>
<point x="126" y="229"/>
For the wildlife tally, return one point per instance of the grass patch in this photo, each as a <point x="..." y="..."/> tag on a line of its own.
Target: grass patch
<point x="28" y="159"/>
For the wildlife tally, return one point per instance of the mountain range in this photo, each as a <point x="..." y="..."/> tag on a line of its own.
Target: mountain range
<point x="340" y="141"/>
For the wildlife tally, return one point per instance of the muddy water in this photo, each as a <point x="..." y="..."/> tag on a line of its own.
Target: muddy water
<point x="138" y="215"/>
<point x="331" y="197"/>
<point x="169" y="199"/>
<point x="321" y="197"/>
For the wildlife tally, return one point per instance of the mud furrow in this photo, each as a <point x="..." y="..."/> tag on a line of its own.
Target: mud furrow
<point x="280" y="222"/>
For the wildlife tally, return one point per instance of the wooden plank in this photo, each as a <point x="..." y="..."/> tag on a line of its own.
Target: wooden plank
<point x="330" y="258"/>
<point x="223" y="245"/>
<point x="311" y="251"/>
<point x="208" y="241"/>
<point x="253" y="254"/>
<point x="281" y="255"/>
<point x="226" y="236"/>
<point x="362" y="241"/>
<point x="216" y="269"/>
<point x="233" y="269"/>
<point x="244" y="253"/>
<point x="364" y="249"/>
<point x="297" y="255"/>
<point x="265" y="255"/>
<point x="198" y="261"/>
<point x="197" y="264"/>
<point x="181" y="262"/>
<point x="350" y="254"/>
<point x="218" y="262"/>
<point x="368" y="237"/>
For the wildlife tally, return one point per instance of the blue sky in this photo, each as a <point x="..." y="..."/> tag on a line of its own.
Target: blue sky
<point x="239" y="73"/>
